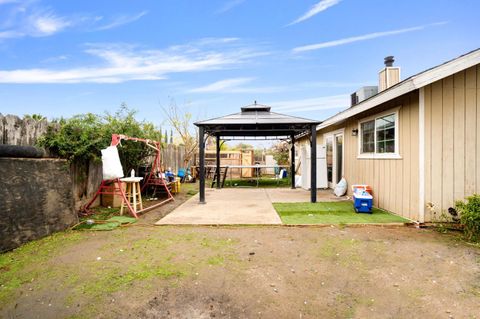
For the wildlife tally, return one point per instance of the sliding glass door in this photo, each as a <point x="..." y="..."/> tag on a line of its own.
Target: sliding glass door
<point x="338" y="157"/>
<point x="329" y="158"/>
<point x="334" y="157"/>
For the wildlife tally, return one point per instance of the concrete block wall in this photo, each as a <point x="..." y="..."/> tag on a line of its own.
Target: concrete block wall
<point x="36" y="199"/>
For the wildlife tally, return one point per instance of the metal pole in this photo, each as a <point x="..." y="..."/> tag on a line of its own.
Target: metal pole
<point x="201" y="137"/>
<point x="313" y="164"/>
<point x="293" y="161"/>
<point x="218" y="163"/>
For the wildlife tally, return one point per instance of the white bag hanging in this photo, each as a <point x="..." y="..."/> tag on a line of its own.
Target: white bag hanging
<point x="341" y="188"/>
<point x="112" y="167"/>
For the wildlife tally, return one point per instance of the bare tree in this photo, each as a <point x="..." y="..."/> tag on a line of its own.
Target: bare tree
<point x="182" y="123"/>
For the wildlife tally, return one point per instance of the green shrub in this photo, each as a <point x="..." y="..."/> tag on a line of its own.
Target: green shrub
<point x="79" y="139"/>
<point x="469" y="211"/>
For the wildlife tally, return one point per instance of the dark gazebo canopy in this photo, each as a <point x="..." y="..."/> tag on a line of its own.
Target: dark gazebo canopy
<point x="256" y="120"/>
<point x="253" y="121"/>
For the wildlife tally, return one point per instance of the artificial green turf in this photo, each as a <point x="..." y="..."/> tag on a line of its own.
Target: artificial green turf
<point x="331" y="213"/>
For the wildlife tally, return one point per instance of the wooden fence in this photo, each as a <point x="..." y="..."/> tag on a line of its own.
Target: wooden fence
<point x="17" y="131"/>
<point x="173" y="156"/>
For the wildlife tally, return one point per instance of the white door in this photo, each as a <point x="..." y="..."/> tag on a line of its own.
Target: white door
<point x="334" y="157"/>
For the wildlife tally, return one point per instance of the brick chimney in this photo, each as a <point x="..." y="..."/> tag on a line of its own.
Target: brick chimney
<point x="389" y="75"/>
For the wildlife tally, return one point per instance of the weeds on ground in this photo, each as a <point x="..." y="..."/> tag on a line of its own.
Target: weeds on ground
<point x="465" y="217"/>
<point x="469" y="211"/>
<point x="21" y="265"/>
<point x="98" y="272"/>
<point x="443" y="222"/>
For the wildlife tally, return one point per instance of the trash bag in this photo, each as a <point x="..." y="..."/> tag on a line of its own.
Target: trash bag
<point x="341" y="188"/>
<point x="112" y="167"/>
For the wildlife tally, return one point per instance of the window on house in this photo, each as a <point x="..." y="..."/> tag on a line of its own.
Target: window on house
<point x="379" y="135"/>
<point x="368" y="136"/>
<point x="385" y="128"/>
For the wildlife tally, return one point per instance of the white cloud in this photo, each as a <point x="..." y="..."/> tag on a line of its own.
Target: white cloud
<point x="236" y="85"/>
<point x="33" y="23"/>
<point x="45" y="23"/>
<point x="229" y="5"/>
<point x="331" y="84"/>
<point x="55" y="59"/>
<point x="316" y="9"/>
<point x="312" y="104"/>
<point x="10" y="34"/>
<point x="122" y="62"/>
<point x="364" y="37"/>
<point x="122" y="20"/>
<point x="7" y="1"/>
<point x="223" y="85"/>
<point x="28" y="19"/>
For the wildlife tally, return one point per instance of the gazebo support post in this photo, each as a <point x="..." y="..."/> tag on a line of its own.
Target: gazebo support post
<point x="292" y="161"/>
<point x="201" y="138"/>
<point x="217" y="171"/>
<point x="313" y="163"/>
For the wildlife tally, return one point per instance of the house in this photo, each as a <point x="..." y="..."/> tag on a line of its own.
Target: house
<point x="416" y="142"/>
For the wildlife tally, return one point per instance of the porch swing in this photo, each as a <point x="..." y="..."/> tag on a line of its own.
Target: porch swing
<point x="113" y="186"/>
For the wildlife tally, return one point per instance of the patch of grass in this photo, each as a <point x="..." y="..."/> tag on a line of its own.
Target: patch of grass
<point x="103" y="213"/>
<point x="117" y="278"/>
<point x="106" y="224"/>
<point x="331" y="213"/>
<point x="216" y="243"/>
<point x="216" y="260"/>
<point x="192" y="192"/>
<point x="342" y="251"/>
<point x="265" y="182"/>
<point x="148" y="259"/>
<point x="24" y="264"/>
<point x="189" y="188"/>
<point x="127" y="263"/>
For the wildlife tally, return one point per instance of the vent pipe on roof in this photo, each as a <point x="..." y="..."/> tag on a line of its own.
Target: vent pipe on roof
<point x="389" y="61"/>
<point x="389" y="75"/>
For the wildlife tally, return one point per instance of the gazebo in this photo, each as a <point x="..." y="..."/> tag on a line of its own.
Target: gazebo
<point x="253" y="121"/>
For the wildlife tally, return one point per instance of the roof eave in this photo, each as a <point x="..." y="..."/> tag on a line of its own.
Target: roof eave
<point x="410" y="84"/>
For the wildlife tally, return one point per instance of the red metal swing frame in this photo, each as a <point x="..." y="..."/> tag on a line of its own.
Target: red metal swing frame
<point x="154" y="178"/>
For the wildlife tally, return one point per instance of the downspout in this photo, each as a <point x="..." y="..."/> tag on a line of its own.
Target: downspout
<point x="421" y="156"/>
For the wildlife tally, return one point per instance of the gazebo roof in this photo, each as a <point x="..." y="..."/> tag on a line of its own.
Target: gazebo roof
<point x="256" y="120"/>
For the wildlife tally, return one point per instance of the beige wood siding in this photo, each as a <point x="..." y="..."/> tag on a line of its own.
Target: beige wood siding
<point x="452" y="139"/>
<point x="394" y="181"/>
<point x="451" y="148"/>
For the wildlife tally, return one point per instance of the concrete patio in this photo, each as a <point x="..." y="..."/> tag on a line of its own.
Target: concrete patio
<point x="239" y="206"/>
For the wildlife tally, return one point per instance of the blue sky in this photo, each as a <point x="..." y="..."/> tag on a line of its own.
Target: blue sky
<point x="304" y="58"/>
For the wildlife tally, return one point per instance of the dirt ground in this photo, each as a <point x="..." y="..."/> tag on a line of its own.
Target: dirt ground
<point x="147" y="271"/>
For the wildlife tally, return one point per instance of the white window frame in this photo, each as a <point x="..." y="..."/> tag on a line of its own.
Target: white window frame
<point x="396" y="154"/>
<point x="332" y="134"/>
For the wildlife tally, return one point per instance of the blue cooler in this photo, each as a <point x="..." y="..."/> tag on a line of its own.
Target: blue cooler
<point x="362" y="201"/>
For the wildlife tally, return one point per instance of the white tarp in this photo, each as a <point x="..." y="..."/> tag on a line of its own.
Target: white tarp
<point x="112" y="167"/>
